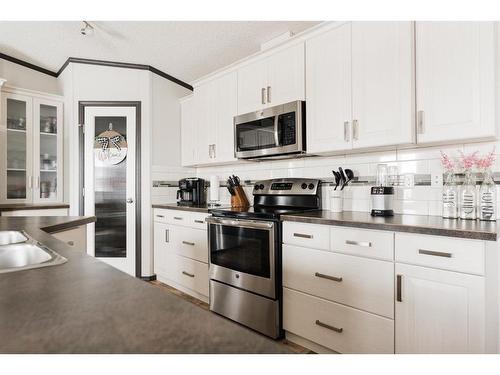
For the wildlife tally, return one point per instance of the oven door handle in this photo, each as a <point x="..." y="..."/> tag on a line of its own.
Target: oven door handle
<point x="240" y="223"/>
<point x="276" y="131"/>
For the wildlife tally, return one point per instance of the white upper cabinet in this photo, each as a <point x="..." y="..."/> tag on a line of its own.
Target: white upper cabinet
<point x="286" y="81"/>
<point x="188" y="132"/>
<point x="439" y="311"/>
<point x="273" y="80"/>
<point x="252" y="82"/>
<point x="359" y="79"/>
<point x="207" y="122"/>
<point x="382" y="84"/>
<point x="328" y="91"/>
<point x="455" y="81"/>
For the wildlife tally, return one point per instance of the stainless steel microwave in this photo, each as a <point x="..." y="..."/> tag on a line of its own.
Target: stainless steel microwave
<point x="271" y="132"/>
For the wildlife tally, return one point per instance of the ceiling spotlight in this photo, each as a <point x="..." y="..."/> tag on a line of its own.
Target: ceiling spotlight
<point x="86" y="29"/>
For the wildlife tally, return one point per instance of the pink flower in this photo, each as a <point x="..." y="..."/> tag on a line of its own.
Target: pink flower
<point x="487" y="161"/>
<point x="467" y="162"/>
<point x="447" y="162"/>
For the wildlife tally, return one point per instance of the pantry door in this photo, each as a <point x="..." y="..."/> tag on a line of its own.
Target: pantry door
<point x="110" y="184"/>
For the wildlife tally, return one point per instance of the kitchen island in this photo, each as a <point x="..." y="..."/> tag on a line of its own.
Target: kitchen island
<point x="87" y="306"/>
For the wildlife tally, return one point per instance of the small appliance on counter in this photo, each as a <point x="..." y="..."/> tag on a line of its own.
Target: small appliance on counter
<point x="191" y="192"/>
<point x="382" y="195"/>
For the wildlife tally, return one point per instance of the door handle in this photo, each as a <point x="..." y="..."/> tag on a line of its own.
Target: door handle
<point x="301" y="235"/>
<point x="328" y="326"/>
<point x="167" y="235"/>
<point x="420" y="122"/>
<point x="263" y="95"/>
<point x="188" y="243"/>
<point x="358" y="243"/>
<point x="355" y="130"/>
<point x="328" y="277"/>
<point x="347" y="137"/>
<point x="398" y="288"/>
<point x="199" y="221"/>
<point x="130" y="200"/>
<point x="187" y="274"/>
<point x="269" y="94"/>
<point x="434" y="253"/>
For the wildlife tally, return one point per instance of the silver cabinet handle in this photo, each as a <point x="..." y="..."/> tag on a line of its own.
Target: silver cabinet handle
<point x="38" y="182"/>
<point x="71" y="243"/>
<point x="177" y="218"/>
<point x="130" y="200"/>
<point x="420" y="122"/>
<point x="434" y="253"/>
<point x="263" y="95"/>
<point x="199" y="221"/>
<point x="167" y="235"/>
<point x="328" y="326"/>
<point x="187" y="274"/>
<point x="358" y="243"/>
<point x="214" y="151"/>
<point x="302" y="235"/>
<point x="188" y="243"/>
<point x="347" y="137"/>
<point x="398" y="288"/>
<point x="328" y="277"/>
<point x="355" y="130"/>
<point x="160" y="216"/>
<point x="269" y="94"/>
<point x="30" y="182"/>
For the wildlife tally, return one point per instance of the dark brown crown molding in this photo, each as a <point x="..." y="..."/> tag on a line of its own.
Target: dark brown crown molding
<point x="114" y="64"/>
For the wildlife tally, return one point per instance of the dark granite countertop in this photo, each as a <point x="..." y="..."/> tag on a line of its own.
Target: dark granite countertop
<point x="87" y="306"/>
<point x="174" y="206"/>
<point x="31" y="206"/>
<point x="433" y="225"/>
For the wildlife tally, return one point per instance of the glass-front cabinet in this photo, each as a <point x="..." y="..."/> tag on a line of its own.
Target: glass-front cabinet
<point x="31" y="148"/>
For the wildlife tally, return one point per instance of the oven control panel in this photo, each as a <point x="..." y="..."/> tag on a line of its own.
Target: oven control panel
<point x="287" y="186"/>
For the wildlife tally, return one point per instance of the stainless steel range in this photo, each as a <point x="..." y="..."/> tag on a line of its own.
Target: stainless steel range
<point x="245" y="253"/>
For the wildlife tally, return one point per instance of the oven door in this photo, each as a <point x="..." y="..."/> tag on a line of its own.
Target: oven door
<point x="242" y="254"/>
<point x="272" y="131"/>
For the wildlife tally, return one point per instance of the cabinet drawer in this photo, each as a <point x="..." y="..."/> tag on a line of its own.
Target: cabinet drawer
<point x="362" y="283"/>
<point x="307" y="235"/>
<point x="188" y="273"/>
<point x="197" y="220"/>
<point x="160" y="215"/>
<point x="363" y="242"/>
<point x="446" y="253"/>
<point x="337" y="327"/>
<point x="190" y="243"/>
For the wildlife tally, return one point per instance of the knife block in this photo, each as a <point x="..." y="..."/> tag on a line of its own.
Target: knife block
<point x="239" y="199"/>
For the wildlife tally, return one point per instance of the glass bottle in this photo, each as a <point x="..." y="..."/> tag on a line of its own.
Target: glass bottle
<point x="450" y="196"/>
<point x="488" y="198"/>
<point x="468" y="197"/>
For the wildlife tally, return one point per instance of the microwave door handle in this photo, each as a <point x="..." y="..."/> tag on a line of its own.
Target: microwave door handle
<point x="276" y="125"/>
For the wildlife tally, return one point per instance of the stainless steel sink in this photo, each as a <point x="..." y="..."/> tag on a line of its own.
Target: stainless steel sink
<point x="8" y="237"/>
<point x="20" y="252"/>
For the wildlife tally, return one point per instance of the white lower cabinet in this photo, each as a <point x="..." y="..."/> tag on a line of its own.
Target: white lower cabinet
<point x="181" y="251"/>
<point x="335" y="326"/>
<point x="368" y="291"/>
<point x="439" y="311"/>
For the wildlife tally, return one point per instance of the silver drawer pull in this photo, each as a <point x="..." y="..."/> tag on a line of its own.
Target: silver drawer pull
<point x="302" y="235"/>
<point x="188" y="243"/>
<point x="160" y="216"/>
<point x="434" y="253"/>
<point x="167" y="235"/>
<point x="327" y="326"/>
<point x="177" y="218"/>
<point x="199" y="221"/>
<point x="187" y="274"/>
<point x="71" y="243"/>
<point x="323" y="276"/>
<point x="358" y="243"/>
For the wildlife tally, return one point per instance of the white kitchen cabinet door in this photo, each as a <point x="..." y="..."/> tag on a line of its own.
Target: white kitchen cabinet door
<point x="382" y="84"/>
<point x="455" y="81"/>
<point x="188" y="133"/>
<point x="286" y="76"/>
<point x="328" y="91"/>
<point x="439" y="311"/>
<point x="162" y="246"/>
<point x="205" y="120"/>
<point x="252" y="82"/>
<point x="16" y="148"/>
<point x="226" y="108"/>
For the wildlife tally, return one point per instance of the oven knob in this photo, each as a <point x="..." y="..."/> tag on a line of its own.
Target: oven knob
<point x="256" y="187"/>
<point x="261" y="186"/>
<point x="303" y="186"/>
<point x="311" y="186"/>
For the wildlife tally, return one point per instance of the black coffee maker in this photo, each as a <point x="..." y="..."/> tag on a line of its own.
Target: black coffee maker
<point x="191" y="192"/>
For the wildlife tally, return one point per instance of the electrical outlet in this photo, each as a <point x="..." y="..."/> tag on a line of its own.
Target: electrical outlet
<point x="436" y="179"/>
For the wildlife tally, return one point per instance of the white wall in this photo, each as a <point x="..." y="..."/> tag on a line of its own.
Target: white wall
<point x="25" y="78"/>
<point x="160" y="123"/>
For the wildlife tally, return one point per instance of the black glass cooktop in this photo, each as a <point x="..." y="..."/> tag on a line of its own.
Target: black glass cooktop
<point x="256" y="212"/>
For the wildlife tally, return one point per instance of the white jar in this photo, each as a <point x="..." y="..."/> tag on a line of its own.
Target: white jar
<point x="337" y="201"/>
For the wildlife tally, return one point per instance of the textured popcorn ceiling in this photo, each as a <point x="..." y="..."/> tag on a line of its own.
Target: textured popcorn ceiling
<point x="187" y="50"/>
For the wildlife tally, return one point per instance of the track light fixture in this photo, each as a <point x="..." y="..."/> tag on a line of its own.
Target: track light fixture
<point x="87" y="29"/>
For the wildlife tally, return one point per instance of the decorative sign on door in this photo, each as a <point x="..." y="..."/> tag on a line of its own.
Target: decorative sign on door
<point x="110" y="147"/>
